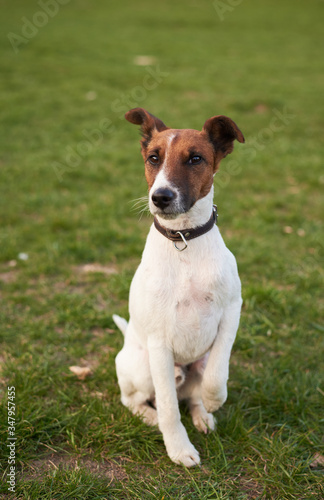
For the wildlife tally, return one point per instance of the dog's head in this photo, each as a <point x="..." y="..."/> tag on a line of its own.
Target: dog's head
<point x="180" y="163"/>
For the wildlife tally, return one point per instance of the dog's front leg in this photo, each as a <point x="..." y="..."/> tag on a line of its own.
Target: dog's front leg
<point x="214" y="384"/>
<point x="176" y="440"/>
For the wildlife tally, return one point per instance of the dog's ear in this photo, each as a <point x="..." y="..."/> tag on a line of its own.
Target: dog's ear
<point x="148" y="123"/>
<point x="222" y="132"/>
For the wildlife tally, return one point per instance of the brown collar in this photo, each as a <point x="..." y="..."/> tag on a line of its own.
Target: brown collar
<point x="187" y="234"/>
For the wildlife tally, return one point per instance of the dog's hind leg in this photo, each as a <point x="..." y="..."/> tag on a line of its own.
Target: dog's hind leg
<point x="134" y="377"/>
<point x="137" y="403"/>
<point x="191" y="392"/>
<point x="135" y="398"/>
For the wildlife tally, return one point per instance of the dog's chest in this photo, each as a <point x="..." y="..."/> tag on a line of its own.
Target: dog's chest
<point x="180" y="297"/>
<point x="195" y="289"/>
<point x="195" y="308"/>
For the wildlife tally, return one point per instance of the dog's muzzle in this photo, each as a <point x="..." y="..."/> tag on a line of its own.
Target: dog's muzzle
<point x="163" y="197"/>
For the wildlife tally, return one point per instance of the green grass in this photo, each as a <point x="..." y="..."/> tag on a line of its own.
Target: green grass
<point x="74" y="438"/>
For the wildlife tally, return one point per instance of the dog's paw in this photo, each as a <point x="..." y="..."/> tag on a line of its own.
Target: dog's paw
<point x="149" y="415"/>
<point x="213" y="400"/>
<point x="203" y="421"/>
<point x="179" y="448"/>
<point x="188" y="457"/>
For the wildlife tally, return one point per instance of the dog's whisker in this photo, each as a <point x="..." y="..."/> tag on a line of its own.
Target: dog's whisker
<point x="142" y="199"/>
<point x="140" y="205"/>
<point x="139" y="201"/>
<point x="140" y="210"/>
<point x="143" y="211"/>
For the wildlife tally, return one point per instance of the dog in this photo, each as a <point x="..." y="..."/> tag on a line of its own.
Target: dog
<point x="185" y="297"/>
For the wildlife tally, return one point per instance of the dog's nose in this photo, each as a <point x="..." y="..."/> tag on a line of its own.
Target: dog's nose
<point x="162" y="197"/>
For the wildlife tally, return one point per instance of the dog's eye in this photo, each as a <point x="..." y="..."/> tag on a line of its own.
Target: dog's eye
<point x="153" y="159"/>
<point x="195" y="160"/>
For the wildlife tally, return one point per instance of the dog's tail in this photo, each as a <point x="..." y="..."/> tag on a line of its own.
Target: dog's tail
<point x="121" y="323"/>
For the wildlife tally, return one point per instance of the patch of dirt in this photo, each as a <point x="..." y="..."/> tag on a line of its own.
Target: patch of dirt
<point x="101" y="332"/>
<point x="8" y="277"/>
<point x="249" y="486"/>
<point x="96" y="268"/>
<point x="108" y="469"/>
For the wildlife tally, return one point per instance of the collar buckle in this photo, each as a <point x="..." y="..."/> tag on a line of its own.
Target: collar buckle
<point x="184" y="241"/>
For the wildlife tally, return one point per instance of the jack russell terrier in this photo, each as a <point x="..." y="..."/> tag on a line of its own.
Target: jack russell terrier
<point x="185" y="298"/>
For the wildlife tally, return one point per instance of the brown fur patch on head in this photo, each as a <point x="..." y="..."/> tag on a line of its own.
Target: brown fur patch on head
<point x="222" y="132"/>
<point x="148" y="122"/>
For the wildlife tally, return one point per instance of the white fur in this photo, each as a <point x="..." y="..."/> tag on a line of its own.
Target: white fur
<point x="184" y="310"/>
<point x="121" y="323"/>
<point x="161" y="181"/>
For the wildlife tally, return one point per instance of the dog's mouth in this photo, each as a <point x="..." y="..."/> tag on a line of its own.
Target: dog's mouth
<point x="169" y="213"/>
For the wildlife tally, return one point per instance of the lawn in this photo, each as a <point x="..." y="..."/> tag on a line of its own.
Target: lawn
<point x="72" y="236"/>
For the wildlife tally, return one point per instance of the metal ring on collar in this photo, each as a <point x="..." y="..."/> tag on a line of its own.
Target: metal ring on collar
<point x="184" y="241"/>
